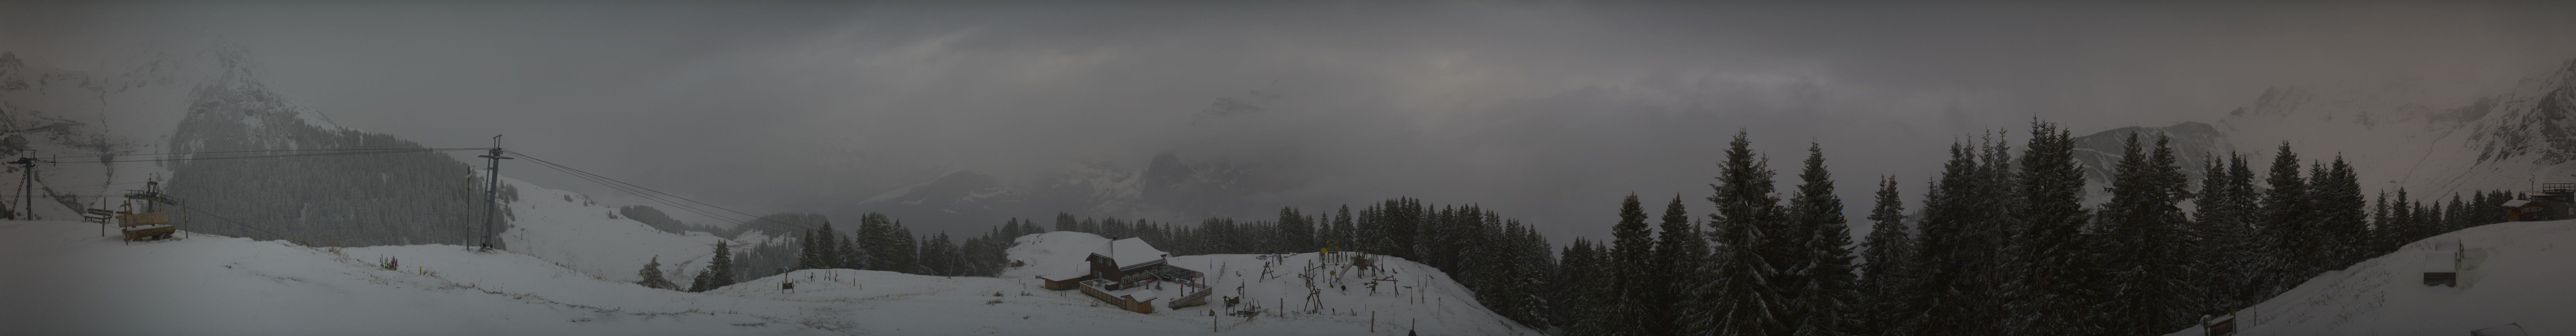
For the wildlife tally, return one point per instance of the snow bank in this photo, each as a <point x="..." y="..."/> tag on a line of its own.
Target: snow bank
<point x="2509" y="273"/>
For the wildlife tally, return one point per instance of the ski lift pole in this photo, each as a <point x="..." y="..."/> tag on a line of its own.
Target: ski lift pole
<point x="27" y="183"/>
<point x="492" y="190"/>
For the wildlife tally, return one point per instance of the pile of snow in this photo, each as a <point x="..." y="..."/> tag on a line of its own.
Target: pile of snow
<point x="2509" y="273"/>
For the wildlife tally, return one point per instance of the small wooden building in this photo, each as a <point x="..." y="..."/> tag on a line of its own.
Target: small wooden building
<point x="2555" y="201"/>
<point x="1127" y="262"/>
<point x="1131" y="274"/>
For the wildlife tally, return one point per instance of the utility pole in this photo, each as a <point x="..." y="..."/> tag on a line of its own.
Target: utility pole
<point x="492" y="191"/>
<point x="27" y="183"/>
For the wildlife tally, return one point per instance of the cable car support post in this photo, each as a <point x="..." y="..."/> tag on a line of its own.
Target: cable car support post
<point x="27" y="182"/>
<point x="492" y="191"/>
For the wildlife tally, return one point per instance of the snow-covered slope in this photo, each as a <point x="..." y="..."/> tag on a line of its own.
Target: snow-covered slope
<point x="2510" y="273"/>
<point x="70" y="280"/>
<point x="569" y="229"/>
<point x="213" y="285"/>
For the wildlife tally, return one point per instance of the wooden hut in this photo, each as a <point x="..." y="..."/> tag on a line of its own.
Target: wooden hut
<point x="1126" y="262"/>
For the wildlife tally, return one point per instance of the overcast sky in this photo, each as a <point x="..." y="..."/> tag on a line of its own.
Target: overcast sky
<point x="1546" y="111"/>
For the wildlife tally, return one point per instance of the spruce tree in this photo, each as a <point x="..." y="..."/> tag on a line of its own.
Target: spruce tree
<point x="1680" y="250"/>
<point x="2343" y="221"/>
<point x="2220" y="248"/>
<point x="830" y="252"/>
<point x="2284" y="221"/>
<point x="2047" y="225"/>
<point x="808" y="244"/>
<point x="1587" y="296"/>
<point x="1739" y="297"/>
<point x="1825" y="293"/>
<point x="652" y="275"/>
<point x="1295" y="234"/>
<point x="849" y="253"/>
<point x="1632" y="253"/>
<point x="2147" y="278"/>
<point x="1954" y="289"/>
<point x="1883" y="271"/>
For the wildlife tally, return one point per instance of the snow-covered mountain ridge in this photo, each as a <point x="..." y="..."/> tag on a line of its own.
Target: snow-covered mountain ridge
<point x="2397" y="136"/>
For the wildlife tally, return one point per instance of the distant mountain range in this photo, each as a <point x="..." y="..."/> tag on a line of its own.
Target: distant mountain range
<point x="2393" y="135"/>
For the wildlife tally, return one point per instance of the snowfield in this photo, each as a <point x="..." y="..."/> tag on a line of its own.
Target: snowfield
<point x="68" y="279"/>
<point x="2510" y="273"/>
<point x="569" y="229"/>
<point x="74" y="281"/>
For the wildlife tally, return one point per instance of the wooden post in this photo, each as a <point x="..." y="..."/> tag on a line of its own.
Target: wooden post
<point x="1372" y="321"/>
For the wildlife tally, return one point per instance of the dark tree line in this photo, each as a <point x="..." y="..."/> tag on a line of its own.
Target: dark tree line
<point x="880" y="243"/>
<point x="2005" y="244"/>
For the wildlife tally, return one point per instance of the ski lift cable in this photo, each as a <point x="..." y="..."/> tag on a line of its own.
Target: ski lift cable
<point x="274" y="156"/>
<point x="650" y="196"/>
<point x="663" y="198"/>
<point x="184" y="206"/>
<point x="647" y="196"/>
<point x="271" y="150"/>
<point x="614" y="182"/>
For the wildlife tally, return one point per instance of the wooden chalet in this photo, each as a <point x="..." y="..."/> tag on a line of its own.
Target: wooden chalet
<point x="1132" y="275"/>
<point x="2553" y="202"/>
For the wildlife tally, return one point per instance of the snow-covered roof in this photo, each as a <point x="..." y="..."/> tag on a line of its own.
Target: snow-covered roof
<point x="2516" y="203"/>
<point x="2441" y="262"/>
<point x="1130" y="252"/>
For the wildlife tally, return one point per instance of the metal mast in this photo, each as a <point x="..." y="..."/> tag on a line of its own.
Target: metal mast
<point x="492" y="190"/>
<point x="27" y="183"/>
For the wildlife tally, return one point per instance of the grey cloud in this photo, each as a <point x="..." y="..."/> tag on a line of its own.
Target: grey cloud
<point x="1549" y="111"/>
